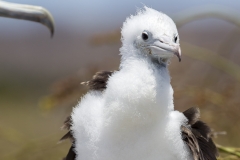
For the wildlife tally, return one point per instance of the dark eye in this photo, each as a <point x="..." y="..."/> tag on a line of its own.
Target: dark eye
<point x="175" y="39"/>
<point x="144" y="36"/>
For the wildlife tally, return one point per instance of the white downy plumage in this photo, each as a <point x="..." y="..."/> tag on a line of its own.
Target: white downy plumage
<point x="134" y="118"/>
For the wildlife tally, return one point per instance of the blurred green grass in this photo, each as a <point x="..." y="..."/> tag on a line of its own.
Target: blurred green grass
<point x="26" y="132"/>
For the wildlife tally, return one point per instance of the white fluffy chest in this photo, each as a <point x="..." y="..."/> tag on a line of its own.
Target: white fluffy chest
<point x="138" y="94"/>
<point x="130" y="120"/>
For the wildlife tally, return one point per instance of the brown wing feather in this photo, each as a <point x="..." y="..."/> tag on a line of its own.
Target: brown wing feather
<point x="99" y="81"/>
<point x="197" y="136"/>
<point x="67" y="125"/>
<point x="71" y="154"/>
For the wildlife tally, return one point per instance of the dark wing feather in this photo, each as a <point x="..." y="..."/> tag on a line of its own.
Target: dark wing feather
<point x="197" y="136"/>
<point x="68" y="135"/>
<point x="71" y="154"/>
<point x="98" y="83"/>
<point x="192" y="114"/>
<point x="203" y="129"/>
<point x="67" y="125"/>
<point x="192" y="142"/>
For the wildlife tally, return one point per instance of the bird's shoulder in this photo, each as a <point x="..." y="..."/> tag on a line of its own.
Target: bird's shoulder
<point x="197" y="135"/>
<point x="97" y="83"/>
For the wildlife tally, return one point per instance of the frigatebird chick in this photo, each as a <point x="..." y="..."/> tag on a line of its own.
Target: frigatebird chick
<point x="129" y="114"/>
<point x="27" y="12"/>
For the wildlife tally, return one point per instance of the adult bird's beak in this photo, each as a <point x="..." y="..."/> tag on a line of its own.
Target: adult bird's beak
<point x="27" y="12"/>
<point x="165" y="46"/>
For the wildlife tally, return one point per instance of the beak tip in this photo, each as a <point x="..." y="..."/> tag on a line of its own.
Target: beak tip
<point x="52" y="33"/>
<point x="179" y="54"/>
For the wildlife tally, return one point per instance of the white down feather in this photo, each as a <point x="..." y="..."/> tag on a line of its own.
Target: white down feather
<point x="134" y="118"/>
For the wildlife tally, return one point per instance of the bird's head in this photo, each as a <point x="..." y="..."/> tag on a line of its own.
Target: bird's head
<point x="153" y="34"/>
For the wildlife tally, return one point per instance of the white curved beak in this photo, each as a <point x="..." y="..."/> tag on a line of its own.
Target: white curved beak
<point x="165" y="47"/>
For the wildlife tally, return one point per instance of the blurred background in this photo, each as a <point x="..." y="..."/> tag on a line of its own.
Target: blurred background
<point x="40" y="76"/>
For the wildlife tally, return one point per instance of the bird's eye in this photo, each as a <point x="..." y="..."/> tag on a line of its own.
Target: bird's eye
<point x="144" y="36"/>
<point x="175" y="39"/>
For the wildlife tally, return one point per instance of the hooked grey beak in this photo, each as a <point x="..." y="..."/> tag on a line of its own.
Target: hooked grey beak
<point x="166" y="46"/>
<point x="27" y="12"/>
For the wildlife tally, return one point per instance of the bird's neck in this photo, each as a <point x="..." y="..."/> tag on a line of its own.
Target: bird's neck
<point x="129" y="54"/>
<point x="142" y="92"/>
